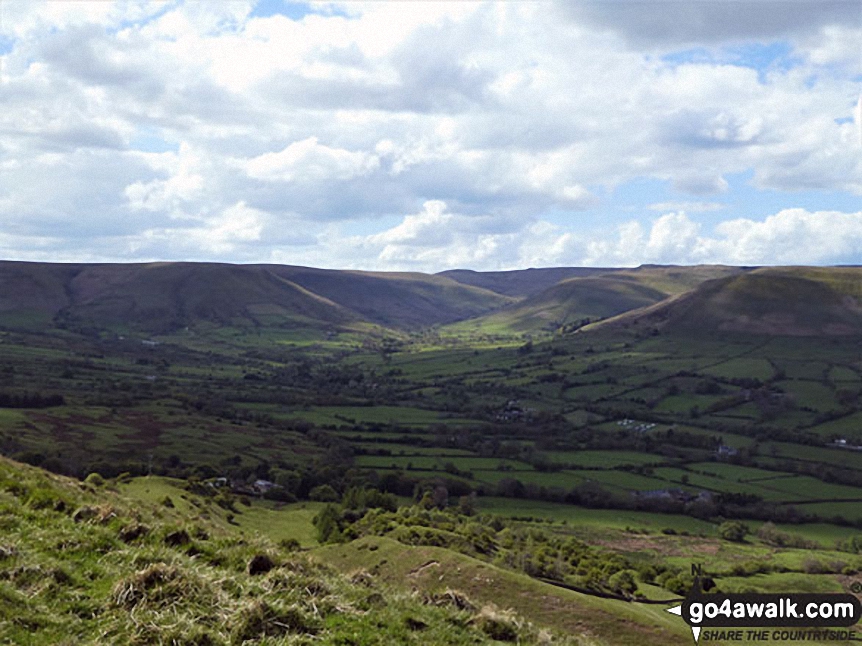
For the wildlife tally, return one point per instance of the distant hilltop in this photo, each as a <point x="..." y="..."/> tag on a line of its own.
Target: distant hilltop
<point x="162" y="297"/>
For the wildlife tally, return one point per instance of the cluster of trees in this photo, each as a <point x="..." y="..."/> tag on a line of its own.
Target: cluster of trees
<point x="532" y="550"/>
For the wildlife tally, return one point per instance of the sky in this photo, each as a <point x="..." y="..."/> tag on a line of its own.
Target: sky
<point x="431" y="135"/>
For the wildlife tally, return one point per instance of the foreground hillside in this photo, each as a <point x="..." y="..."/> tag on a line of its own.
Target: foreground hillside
<point x="80" y="564"/>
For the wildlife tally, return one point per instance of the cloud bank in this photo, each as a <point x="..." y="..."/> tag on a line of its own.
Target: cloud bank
<point x="431" y="135"/>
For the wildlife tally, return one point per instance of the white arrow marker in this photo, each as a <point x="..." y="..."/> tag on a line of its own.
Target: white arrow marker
<point x="695" y="630"/>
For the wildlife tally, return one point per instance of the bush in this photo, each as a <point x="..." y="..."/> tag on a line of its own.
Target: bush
<point x="623" y="582"/>
<point x="733" y="530"/>
<point x="323" y="493"/>
<point x="813" y="566"/>
<point x="95" y="480"/>
<point x="161" y="585"/>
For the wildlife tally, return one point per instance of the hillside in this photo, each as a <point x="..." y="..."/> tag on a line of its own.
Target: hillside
<point x="782" y="301"/>
<point x="575" y="301"/>
<point x="160" y="297"/>
<point x="436" y="569"/>
<point x="520" y="283"/>
<point x="82" y="564"/>
<point x="397" y="300"/>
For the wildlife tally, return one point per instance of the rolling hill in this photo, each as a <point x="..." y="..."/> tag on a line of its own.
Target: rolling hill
<point x="574" y="301"/>
<point x="160" y="297"/>
<point x="82" y="563"/>
<point x="396" y="300"/>
<point x="521" y="283"/>
<point x="784" y="301"/>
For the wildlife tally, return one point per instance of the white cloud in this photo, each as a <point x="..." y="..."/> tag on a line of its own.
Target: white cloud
<point x="688" y="207"/>
<point x="674" y="22"/>
<point x="504" y="112"/>
<point x="308" y="160"/>
<point x="184" y="184"/>
<point x="792" y="237"/>
<point x="857" y="117"/>
<point x="838" y="45"/>
<point x="236" y="226"/>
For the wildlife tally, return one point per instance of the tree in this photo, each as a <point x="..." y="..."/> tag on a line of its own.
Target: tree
<point x="328" y="525"/>
<point x="324" y="493"/>
<point x="623" y="582"/>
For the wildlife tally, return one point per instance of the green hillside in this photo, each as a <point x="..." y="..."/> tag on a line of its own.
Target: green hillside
<point x="436" y="569"/>
<point x="784" y="301"/>
<point x="162" y="297"/>
<point x="82" y="564"/>
<point x="396" y="300"/>
<point x="576" y="301"/>
<point x="520" y="283"/>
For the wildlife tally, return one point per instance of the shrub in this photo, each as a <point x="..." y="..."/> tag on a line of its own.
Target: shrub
<point x="813" y="566"/>
<point x="95" y="480"/>
<point x="733" y="530"/>
<point x="46" y="499"/>
<point x="323" y="493"/>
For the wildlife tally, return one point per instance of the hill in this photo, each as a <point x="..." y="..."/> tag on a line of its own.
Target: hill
<point x="782" y="301"/>
<point x="576" y="301"/>
<point x="160" y="297"/>
<point x="164" y="297"/>
<point x="80" y="563"/>
<point x="436" y="569"/>
<point x="394" y="299"/>
<point x="520" y="283"/>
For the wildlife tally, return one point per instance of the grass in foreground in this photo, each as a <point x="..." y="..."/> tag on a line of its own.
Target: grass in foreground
<point x="81" y="564"/>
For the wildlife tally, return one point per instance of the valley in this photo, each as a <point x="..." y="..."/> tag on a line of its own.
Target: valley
<point x="614" y="425"/>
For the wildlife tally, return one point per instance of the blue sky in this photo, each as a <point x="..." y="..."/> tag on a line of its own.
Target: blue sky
<point x="426" y="136"/>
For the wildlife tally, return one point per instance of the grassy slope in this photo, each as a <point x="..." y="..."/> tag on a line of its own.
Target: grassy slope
<point x="82" y="564"/>
<point x="31" y="293"/>
<point x="596" y="297"/>
<point x="434" y="568"/>
<point x="263" y="518"/>
<point x="400" y="300"/>
<point x="158" y="297"/>
<point x="520" y="283"/>
<point x="792" y="301"/>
